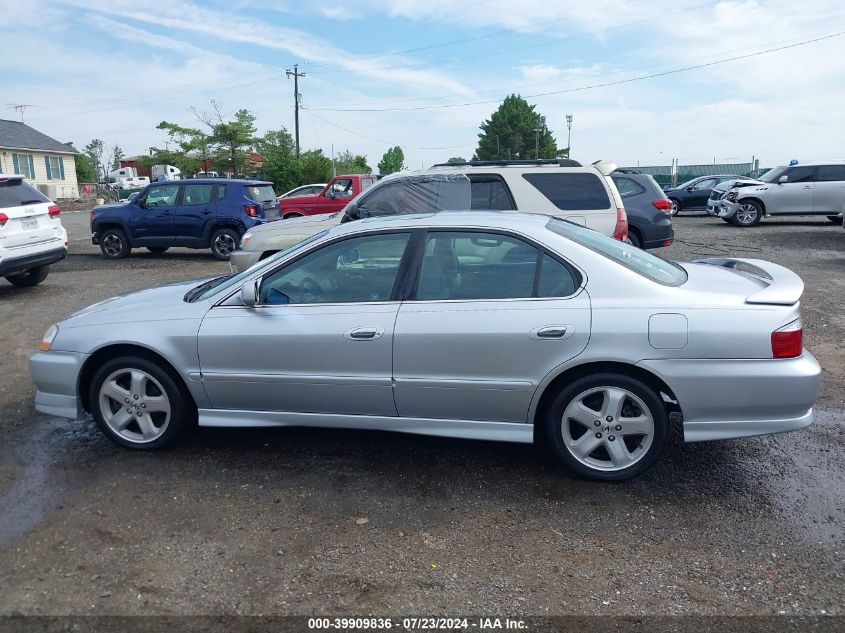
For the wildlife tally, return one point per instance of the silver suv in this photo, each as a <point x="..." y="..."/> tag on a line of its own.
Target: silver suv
<point x="811" y="188"/>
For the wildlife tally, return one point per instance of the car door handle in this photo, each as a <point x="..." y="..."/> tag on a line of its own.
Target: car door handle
<point x="552" y="331"/>
<point x="363" y="333"/>
<point x="165" y="212"/>
<point x="206" y="211"/>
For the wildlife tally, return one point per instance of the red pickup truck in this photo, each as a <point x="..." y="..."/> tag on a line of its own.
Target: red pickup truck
<point x="339" y="191"/>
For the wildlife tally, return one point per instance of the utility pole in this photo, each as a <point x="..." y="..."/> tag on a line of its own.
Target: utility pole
<point x="296" y="75"/>
<point x="569" y="136"/>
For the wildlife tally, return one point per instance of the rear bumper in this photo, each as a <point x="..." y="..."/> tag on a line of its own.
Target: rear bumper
<point x="12" y="265"/>
<point x="56" y="377"/>
<point x="722" y="399"/>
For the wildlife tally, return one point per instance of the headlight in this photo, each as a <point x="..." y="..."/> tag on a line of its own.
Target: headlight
<point x="246" y="238"/>
<point x="48" y="338"/>
<point x="732" y="196"/>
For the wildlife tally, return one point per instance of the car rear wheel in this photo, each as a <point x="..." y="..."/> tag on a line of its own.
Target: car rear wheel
<point x="137" y="404"/>
<point x="29" y="278"/>
<point x="748" y="214"/>
<point x="676" y="206"/>
<point x="607" y="427"/>
<point x="157" y="249"/>
<point x="634" y="238"/>
<point x="223" y="243"/>
<point x="114" y="245"/>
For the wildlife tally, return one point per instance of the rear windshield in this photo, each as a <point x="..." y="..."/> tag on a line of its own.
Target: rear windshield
<point x="641" y="262"/>
<point x="15" y="192"/>
<point x="571" y="192"/>
<point x="260" y="193"/>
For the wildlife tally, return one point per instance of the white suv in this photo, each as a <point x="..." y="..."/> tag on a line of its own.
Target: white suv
<point x="31" y="234"/>
<point x="812" y="188"/>
<point x="561" y="188"/>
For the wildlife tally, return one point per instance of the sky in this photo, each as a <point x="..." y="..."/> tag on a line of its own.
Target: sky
<point x="424" y="74"/>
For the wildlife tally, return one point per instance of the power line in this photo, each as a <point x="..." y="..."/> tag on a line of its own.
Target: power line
<point x="379" y="140"/>
<point x="592" y="86"/>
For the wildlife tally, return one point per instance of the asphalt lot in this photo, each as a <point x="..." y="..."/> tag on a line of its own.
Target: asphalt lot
<point x="271" y="521"/>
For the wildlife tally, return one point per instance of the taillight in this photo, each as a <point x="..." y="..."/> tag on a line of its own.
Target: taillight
<point x="251" y="210"/>
<point x="662" y="205"/>
<point x="3" y="219"/>
<point x="620" y="232"/>
<point x="53" y="211"/>
<point x="90" y="216"/>
<point x="788" y="341"/>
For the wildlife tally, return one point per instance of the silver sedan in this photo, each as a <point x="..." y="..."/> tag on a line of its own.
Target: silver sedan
<point x="493" y="326"/>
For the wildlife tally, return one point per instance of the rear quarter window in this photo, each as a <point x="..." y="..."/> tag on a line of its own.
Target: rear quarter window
<point x="15" y="192"/>
<point x="571" y="191"/>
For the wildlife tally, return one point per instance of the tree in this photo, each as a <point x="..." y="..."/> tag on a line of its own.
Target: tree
<point x="515" y="131"/>
<point x="190" y="141"/>
<point x="116" y="156"/>
<point x="230" y="139"/>
<point x="94" y="153"/>
<point x="314" y="166"/>
<point x="277" y="147"/>
<point x="455" y="160"/>
<point x="348" y="163"/>
<point x="84" y="171"/>
<point x="392" y="161"/>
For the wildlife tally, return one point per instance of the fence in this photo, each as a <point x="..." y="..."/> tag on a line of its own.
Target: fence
<point x="674" y="174"/>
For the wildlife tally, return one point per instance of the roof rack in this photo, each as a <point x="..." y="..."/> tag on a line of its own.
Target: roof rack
<point x="560" y="162"/>
<point x="627" y="170"/>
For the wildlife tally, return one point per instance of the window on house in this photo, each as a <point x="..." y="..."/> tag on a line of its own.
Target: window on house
<point x="55" y="168"/>
<point x="22" y="164"/>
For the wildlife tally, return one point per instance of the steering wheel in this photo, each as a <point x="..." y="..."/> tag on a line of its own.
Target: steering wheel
<point x="310" y="291"/>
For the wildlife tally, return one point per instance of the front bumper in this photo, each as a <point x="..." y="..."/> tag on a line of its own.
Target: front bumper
<point x="239" y="261"/>
<point x="56" y="378"/>
<point x="722" y="208"/>
<point x="12" y="265"/>
<point x="728" y="398"/>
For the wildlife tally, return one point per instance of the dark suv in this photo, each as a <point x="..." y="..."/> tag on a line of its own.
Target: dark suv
<point x="198" y="213"/>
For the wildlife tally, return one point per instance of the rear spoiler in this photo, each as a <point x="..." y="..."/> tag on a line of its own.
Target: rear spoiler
<point x="783" y="287"/>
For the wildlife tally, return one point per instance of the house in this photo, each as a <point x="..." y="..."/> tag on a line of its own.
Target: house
<point x="46" y="163"/>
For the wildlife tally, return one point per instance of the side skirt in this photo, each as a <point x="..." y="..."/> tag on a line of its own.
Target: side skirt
<point x="466" y="429"/>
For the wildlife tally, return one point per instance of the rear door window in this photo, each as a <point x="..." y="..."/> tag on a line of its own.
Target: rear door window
<point x="571" y="191"/>
<point x="196" y="195"/>
<point x="829" y="173"/>
<point x="15" y="192"/>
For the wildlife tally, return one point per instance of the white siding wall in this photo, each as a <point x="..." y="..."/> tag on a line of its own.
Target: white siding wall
<point x="66" y="188"/>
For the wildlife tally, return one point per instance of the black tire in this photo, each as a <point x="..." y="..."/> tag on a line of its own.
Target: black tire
<point x="291" y="215"/>
<point x="676" y="207"/>
<point x="634" y="238"/>
<point x="157" y="249"/>
<point x="114" y="245"/>
<point x="182" y="411"/>
<point x="836" y="219"/>
<point x="31" y="277"/>
<point x="643" y="460"/>
<point x="726" y="220"/>
<point x="224" y="242"/>
<point x="739" y="218"/>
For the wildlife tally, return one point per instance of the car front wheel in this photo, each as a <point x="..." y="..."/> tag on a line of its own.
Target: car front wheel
<point x="114" y="245"/>
<point x="29" y="278"/>
<point x="607" y="427"/>
<point x="749" y="213"/>
<point x="676" y="207"/>
<point x="137" y="404"/>
<point x="223" y="243"/>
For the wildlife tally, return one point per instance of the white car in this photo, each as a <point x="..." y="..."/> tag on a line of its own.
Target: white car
<point x="812" y="188"/>
<point x="585" y="195"/>
<point x="304" y="190"/>
<point x="31" y="234"/>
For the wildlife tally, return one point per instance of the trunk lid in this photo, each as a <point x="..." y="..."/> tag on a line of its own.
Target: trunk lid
<point x="753" y="281"/>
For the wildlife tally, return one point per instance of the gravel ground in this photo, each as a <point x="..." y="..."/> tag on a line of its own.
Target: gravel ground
<point x="298" y="521"/>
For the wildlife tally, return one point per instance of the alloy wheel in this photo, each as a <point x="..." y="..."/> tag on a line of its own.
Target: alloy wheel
<point x="225" y="244"/>
<point x="746" y="214"/>
<point x="676" y="208"/>
<point x="134" y="405"/>
<point x="607" y="428"/>
<point x="112" y="245"/>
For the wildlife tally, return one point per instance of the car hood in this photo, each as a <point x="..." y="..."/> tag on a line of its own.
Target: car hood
<point x="157" y="303"/>
<point x="299" y="227"/>
<point x="298" y="200"/>
<point x="107" y="207"/>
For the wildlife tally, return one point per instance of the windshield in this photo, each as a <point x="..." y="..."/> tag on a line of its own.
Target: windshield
<point x="413" y="194"/>
<point x="686" y="184"/>
<point x="220" y="284"/>
<point x="641" y="262"/>
<point x="773" y="174"/>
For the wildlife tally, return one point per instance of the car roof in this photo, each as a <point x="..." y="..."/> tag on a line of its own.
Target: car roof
<point x="815" y="163"/>
<point x="214" y="181"/>
<point x="507" y="220"/>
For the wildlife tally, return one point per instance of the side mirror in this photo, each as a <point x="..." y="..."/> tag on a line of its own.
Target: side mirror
<point x="690" y="188"/>
<point x="783" y="179"/>
<point x="249" y="293"/>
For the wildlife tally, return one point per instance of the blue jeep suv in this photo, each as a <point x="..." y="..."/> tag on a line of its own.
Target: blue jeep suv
<point x="198" y="213"/>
